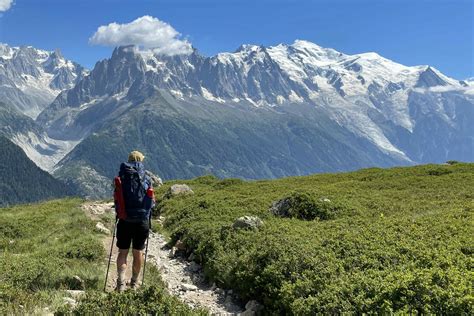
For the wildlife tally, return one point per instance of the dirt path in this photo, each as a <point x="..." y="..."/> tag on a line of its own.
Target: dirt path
<point x="184" y="279"/>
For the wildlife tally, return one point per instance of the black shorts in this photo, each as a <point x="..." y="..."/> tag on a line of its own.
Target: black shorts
<point x="135" y="233"/>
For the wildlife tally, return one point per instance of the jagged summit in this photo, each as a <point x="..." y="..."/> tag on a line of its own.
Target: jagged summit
<point x="31" y="78"/>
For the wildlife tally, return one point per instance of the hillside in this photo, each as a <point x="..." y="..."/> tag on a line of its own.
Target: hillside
<point x="51" y="251"/>
<point x="22" y="181"/>
<point x="395" y="240"/>
<point x="384" y="241"/>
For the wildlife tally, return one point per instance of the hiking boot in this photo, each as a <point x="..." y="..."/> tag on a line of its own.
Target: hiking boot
<point x="121" y="286"/>
<point x="134" y="284"/>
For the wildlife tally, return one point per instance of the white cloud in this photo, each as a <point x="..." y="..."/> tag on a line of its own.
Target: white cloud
<point x="147" y="32"/>
<point x="5" y="5"/>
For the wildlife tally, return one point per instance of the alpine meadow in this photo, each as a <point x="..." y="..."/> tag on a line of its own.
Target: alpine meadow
<point x="244" y="158"/>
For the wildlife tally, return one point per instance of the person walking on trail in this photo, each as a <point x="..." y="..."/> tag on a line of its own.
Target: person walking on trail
<point x="133" y="202"/>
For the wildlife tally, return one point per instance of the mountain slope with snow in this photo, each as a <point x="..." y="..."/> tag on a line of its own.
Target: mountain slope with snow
<point x="30" y="78"/>
<point x="399" y="114"/>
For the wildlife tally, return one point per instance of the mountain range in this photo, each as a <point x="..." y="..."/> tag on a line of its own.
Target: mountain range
<point x="259" y="112"/>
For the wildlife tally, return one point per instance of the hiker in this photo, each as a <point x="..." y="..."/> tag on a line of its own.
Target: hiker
<point x="133" y="212"/>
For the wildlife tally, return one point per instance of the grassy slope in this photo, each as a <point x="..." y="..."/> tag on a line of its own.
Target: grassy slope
<point x="402" y="243"/>
<point x="43" y="246"/>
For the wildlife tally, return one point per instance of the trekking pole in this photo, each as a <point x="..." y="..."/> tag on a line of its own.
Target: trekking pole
<point x="146" y="249"/>
<point x="110" y="255"/>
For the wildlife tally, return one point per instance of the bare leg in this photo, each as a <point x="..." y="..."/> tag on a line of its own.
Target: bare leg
<point x="121" y="268"/>
<point x="137" y="264"/>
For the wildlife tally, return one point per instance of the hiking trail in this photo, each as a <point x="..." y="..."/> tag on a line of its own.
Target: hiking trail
<point x="183" y="278"/>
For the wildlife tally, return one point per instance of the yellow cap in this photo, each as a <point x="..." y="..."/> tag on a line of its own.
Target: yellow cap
<point x="135" y="156"/>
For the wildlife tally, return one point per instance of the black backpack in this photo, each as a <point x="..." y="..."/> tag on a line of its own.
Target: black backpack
<point x="134" y="188"/>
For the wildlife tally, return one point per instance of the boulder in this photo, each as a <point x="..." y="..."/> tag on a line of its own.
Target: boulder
<point x="102" y="229"/>
<point x="188" y="287"/>
<point x="247" y="222"/>
<point x="75" y="294"/>
<point x="178" y="189"/>
<point x="281" y="208"/>
<point x="194" y="267"/>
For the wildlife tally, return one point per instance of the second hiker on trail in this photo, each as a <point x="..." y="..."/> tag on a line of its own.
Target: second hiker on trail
<point x="133" y="202"/>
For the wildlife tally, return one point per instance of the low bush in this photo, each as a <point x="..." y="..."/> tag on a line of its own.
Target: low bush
<point x="306" y="207"/>
<point x="149" y="300"/>
<point x="398" y="240"/>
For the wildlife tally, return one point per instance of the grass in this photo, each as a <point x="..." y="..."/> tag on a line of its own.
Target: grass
<point x="400" y="241"/>
<point x="43" y="246"/>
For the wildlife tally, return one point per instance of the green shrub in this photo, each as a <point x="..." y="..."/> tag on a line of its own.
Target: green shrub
<point x="151" y="300"/>
<point x="439" y="171"/>
<point x="452" y="162"/>
<point x="227" y="183"/>
<point x="306" y="207"/>
<point x="207" y="179"/>
<point x="398" y="241"/>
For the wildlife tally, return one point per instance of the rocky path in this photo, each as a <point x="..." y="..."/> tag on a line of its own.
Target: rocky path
<point x="183" y="278"/>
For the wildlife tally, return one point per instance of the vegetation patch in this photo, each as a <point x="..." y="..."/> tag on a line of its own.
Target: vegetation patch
<point x="151" y="300"/>
<point x="51" y="247"/>
<point x="394" y="240"/>
<point x="43" y="247"/>
<point x="306" y="207"/>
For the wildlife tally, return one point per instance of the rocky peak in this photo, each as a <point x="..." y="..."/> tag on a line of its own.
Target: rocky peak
<point x="430" y="78"/>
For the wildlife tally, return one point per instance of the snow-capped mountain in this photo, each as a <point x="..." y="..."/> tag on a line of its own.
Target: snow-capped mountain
<point x="282" y="110"/>
<point x="352" y="88"/>
<point x="30" y="78"/>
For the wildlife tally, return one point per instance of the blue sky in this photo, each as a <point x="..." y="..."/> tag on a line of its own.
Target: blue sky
<point x="435" y="32"/>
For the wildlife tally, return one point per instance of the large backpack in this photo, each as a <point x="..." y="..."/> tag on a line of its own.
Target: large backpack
<point x="134" y="186"/>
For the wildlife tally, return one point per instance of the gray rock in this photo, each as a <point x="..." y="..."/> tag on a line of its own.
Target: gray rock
<point x="69" y="301"/>
<point x="75" y="294"/>
<point x="253" y="306"/>
<point x="102" y="229"/>
<point x="194" y="267"/>
<point x="179" y="189"/>
<point x="281" y="208"/>
<point x="188" y="287"/>
<point x="247" y="222"/>
<point x="172" y="252"/>
<point x="228" y="300"/>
